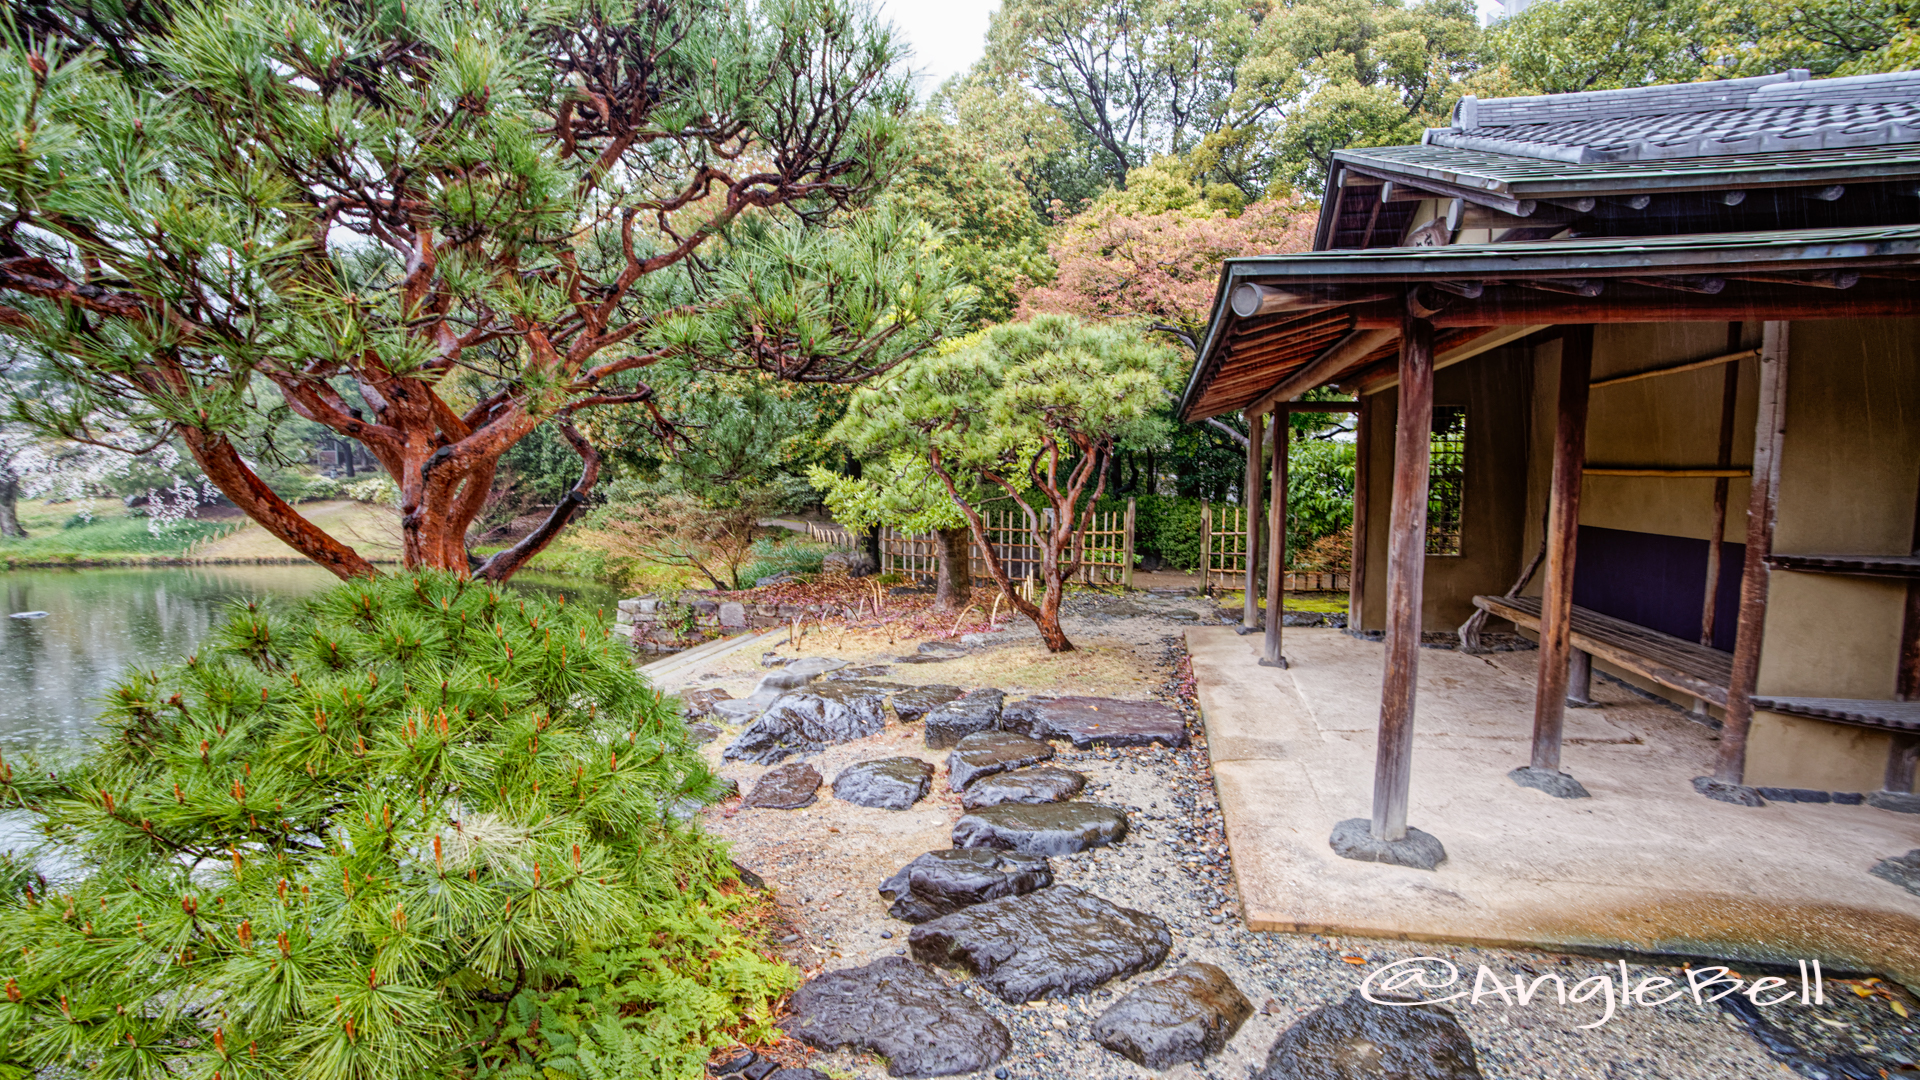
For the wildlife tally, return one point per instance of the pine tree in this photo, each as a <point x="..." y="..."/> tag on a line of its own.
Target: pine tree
<point x="369" y="838"/>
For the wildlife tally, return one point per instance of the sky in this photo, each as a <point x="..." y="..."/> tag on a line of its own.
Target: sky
<point x="947" y="35"/>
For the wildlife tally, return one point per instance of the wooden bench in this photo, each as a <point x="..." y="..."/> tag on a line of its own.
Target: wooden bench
<point x="1703" y="673"/>
<point x="1675" y="663"/>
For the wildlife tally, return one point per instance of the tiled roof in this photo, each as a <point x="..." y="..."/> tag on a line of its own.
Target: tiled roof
<point x="1772" y="113"/>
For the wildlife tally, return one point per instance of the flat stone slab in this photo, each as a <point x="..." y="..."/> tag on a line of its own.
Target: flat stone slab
<point x="887" y="784"/>
<point x="903" y="1011"/>
<point x="865" y="671"/>
<point x="809" y="720"/>
<point x="1187" y="1016"/>
<point x="1030" y="787"/>
<point x="737" y="710"/>
<point x="1048" y="829"/>
<point x="970" y="714"/>
<point x="702" y="733"/>
<point x="934" y="652"/>
<point x="697" y="703"/>
<point x="942" y="882"/>
<point x="1903" y="871"/>
<point x="989" y="752"/>
<point x="1094" y="721"/>
<point x="1045" y="944"/>
<point x="1359" y="1040"/>
<point x="785" y="787"/>
<point x="915" y="703"/>
<point x="791" y="676"/>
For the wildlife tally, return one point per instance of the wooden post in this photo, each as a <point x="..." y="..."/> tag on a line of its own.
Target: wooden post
<point x="1279" y="433"/>
<point x="1250" y="610"/>
<point x="1406" y="574"/>
<point x="1126" y="560"/>
<point x="1206" y="548"/>
<point x="1770" y="431"/>
<point x="1357" y="561"/>
<point x="1729" y="400"/>
<point x="1563" y="530"/>
<point x="1580" y="679"/>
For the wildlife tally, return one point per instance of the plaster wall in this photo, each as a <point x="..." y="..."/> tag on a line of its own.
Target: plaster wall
<point x="1495" y="389"/>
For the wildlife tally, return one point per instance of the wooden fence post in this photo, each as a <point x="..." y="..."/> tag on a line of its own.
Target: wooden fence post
<point x="1126" y="561"/>
<point x="1206" y="547"/>
<point x="1769" y="436"/>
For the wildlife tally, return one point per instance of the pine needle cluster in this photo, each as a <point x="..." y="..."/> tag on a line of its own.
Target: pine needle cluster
<point x="382" y="835"/>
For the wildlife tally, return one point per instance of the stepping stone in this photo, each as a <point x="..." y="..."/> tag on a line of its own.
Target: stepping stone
<point x="810" y="720"/>
<point x="942" y="882"/>
<point x="702" y="733"/>
<point x="868" y="671"/>
<point x="788" y="787"/>
<point x="1045" y="944"/>
<point x="737" y="710"/>
<point x="1359" y="1040"/>
<point x="990" y="752"/>
<point x="1186" y="1016"/>
<point x="1903" y="871"/>
<point x="934" y="652"/>
<point x="915" y="703"/>
<point x="695" y="703"/>
<point x="1045" y="784"/>
<point x="1094" y="721"/>
<point x="902" y="1011"/>
<point x="963" y="716"/>
<point x="887" y="784"/>
<point x="792" y="676"/>
<point x="1049" y="829"/>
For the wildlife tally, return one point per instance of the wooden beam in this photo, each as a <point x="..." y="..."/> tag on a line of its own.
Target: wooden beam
<point x="1256" y="467"/>
<point x="1502" y="307"/>
<point x="1729" y="400"/>
<point x="1732" y="357"/>
<point x="1406" y="574"/>
<point x="1770" y="430"/>
<point x="1680" y="473"/>
<point x="1279" y="433"/>
<point x="1495" y="337"/>
<point x="1563" y="531"/>
<point x="1250" y="300"/>
<point x="1349" y="350"/>
<point x="1907" y="678"/>
<point x="1357" y="559"/>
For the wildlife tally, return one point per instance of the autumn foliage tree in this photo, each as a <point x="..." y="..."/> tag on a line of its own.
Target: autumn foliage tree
<point x="432" y="227"/>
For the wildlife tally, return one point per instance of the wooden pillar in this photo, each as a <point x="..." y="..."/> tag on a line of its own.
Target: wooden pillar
<point x="1206" y="548"/>
<point x="1357" y="561"/>
<point x="1126" y="559"/>
<point x="1770" y="431"/>
<point x="1563" y="530"/>
<point x="1729" y="400"/>
<point x="1250" y="609"/>
<point x="1406" y="573"/>
<point x="1580" y="679"/>
<point x="1279" y="433"/>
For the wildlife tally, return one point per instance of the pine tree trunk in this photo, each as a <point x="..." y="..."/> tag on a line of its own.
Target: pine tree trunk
<point x="953" y="588"/>
<point x="1048" y="620"/>
<point x="9" y="507"/>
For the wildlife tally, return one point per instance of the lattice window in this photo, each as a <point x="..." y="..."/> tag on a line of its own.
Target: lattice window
<point x="1447" y="480"/>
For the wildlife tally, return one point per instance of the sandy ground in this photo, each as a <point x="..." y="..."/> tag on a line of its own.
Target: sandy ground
<point x="825" y="861"/>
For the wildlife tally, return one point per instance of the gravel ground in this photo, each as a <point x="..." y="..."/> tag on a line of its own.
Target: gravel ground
<point x="825" y="861"/>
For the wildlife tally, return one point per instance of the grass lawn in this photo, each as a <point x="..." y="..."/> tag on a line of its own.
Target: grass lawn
<point x="112" y="534"/>
<point x="1322" y="602"/>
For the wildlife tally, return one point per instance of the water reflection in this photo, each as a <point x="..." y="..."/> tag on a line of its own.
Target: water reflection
<point x="100" y="623"/>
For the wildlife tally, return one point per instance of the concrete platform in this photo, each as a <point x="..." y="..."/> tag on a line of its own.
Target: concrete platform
<point x="1645" y="865"/>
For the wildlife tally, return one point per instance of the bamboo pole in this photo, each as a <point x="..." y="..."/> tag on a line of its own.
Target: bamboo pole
<point x="1770" y="430"/>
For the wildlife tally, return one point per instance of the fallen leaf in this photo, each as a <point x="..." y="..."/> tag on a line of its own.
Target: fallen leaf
<point x="1354" y="959"/>
<point x="1899" y="1008"/>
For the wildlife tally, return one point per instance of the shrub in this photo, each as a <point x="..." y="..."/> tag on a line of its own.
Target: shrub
<point x="418" y="828"/>
<point x="374" y="489"/>
<point x="775" y="555"/>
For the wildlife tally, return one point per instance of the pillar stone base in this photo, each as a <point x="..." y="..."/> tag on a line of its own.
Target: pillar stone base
<point x="1353" y="839"/>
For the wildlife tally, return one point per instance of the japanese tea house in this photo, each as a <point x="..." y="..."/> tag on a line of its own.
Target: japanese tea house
<point x="1662" y="343"/>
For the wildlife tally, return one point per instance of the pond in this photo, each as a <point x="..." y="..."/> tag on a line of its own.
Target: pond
<point x="100" y="623"/>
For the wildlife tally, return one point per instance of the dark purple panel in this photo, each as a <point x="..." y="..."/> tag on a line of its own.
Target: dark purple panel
<point x="1656" y="581"/>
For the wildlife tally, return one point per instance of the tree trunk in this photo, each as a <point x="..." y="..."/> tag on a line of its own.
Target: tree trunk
<point x="1048" y="619"/>
<point x="9" y="507"/>
<point x="953" y="588"/>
